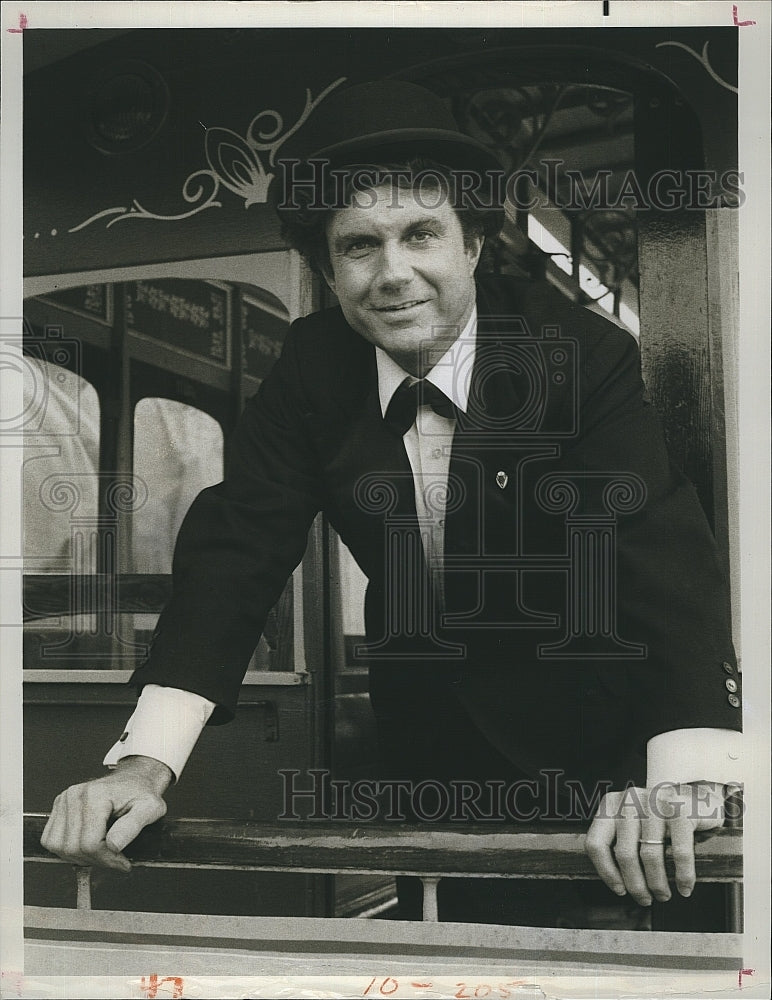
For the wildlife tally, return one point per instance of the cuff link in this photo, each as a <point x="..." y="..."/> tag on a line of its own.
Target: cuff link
<point x="123" y="737"/>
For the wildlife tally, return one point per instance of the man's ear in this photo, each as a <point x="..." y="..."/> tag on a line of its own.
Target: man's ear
<point x="329" y="277"/>
<point x="473" y="252"/>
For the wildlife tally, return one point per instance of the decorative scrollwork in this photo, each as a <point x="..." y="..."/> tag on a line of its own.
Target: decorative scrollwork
<point x="511" y="120"/>
<point x="701" y="59"/>
<point x="233" y="162"/>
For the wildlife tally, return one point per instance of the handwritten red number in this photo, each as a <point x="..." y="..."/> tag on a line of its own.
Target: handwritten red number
<point x="461" y="995"/>
<point x="153" y="984"/>
<point x="384" y="989"/>
<point x="741" y="973"/>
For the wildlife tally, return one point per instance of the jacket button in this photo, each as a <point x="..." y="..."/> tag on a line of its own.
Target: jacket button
<point x="731" y="685"/>
<point x="733" y="700"/>
<point x="728" y="668"/>
<point x="123" y="737"/>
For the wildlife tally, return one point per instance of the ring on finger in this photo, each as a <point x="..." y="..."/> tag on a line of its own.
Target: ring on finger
<point x="643" y="841"/>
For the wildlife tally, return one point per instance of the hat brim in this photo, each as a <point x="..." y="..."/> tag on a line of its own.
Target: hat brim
<point x="452" y="149"/>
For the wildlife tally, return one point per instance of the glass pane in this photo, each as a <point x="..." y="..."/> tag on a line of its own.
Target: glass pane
<point x="353" y="584"/>
<point x="61" y="461"/>
<point x="178" y="451"/>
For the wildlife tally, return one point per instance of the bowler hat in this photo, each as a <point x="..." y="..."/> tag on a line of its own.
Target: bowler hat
<point x="390" y="119"/>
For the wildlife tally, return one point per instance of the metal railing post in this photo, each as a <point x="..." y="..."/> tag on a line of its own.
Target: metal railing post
<point x="430" y="909"/>
<point x="83" y="897"/>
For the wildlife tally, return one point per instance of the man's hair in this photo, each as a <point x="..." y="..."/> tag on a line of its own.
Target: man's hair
<point x="305" y="211"/>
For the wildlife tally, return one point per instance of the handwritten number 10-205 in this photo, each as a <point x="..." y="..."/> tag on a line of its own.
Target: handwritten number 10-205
<point x="464" y="991"/>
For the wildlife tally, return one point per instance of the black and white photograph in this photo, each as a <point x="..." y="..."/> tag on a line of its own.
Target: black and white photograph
<point x="384" y="449"/>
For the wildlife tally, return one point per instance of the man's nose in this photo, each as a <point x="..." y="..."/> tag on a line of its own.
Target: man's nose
<point x="395" y="265"/>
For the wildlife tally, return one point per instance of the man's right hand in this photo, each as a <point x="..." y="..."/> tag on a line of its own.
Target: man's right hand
<point x="77" y="829"/>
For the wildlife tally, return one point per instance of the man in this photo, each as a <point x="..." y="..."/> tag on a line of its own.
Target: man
<point x="445" y="426"/>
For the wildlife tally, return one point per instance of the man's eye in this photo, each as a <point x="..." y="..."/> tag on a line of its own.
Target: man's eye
<point x="421" y="236"/>
<point x="358" y="247"/>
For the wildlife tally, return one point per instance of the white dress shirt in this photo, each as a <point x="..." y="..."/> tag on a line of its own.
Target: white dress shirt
<point x="167" y="721"/>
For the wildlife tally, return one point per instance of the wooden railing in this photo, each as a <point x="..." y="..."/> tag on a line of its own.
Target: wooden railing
<point x="526" y="851"/>
<point x="431" y="853"/>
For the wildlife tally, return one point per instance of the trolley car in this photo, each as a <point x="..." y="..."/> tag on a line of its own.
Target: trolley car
<point x="157" y="295"/>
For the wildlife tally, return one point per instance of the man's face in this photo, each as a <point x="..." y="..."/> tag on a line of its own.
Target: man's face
<point x="401" y="272"/>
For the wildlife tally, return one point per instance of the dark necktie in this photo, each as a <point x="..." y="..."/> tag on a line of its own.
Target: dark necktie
<point x="402" y="410"/>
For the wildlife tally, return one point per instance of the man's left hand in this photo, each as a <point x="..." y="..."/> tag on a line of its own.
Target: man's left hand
<point x="626" y="841"/>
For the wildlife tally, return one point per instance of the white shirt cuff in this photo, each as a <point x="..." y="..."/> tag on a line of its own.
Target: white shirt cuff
<point x="165" y="725"/>
<point x="695" y="755"/>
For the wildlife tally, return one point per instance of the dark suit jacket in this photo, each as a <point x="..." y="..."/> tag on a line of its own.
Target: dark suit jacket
<point x="557" y="405"/>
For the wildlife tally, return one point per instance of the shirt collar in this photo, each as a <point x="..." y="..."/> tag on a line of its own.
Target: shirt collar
<point x="452" y="373"/>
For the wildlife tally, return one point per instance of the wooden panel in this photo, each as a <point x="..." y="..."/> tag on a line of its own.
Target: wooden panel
<point x="49" y="595"/>
<point x="233" y="772"/>
<point x="142" y="190"/>
<point x="288" y="946"/>
<point x="675" y="340"/>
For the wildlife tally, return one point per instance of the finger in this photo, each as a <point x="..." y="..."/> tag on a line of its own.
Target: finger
<point x="626" y="851"/>
<point x="55" y="837"/>
<point x="105" y="857"/>
<point x="77" y="826"/>
<point x="72" y="847"/>
<point x="66" y="842"/>
<point x="652" y="855"/>
<point x="53" y="832"/>
<point x="598" y="842"/>
<point x="682" y="846"/>
<point x="96" y="810"/>
<point x="144" y="811"/>
<point x="708" y="807"/>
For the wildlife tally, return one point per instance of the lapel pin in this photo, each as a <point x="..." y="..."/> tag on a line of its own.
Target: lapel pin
<point x="502" y="479"/>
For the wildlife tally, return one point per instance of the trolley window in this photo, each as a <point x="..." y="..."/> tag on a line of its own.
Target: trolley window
<point x="178" y="451"/>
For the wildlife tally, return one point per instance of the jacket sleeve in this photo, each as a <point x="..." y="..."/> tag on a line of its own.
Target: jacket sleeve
<point x="238" y="545"/>
<point x="672" y="595"/>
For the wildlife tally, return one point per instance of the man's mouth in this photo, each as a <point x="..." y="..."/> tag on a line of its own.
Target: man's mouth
<point x="400" y="306"/>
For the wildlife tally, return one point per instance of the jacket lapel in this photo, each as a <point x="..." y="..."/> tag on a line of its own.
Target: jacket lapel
<point x="484" y="468"/>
